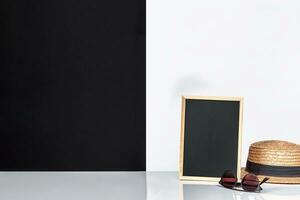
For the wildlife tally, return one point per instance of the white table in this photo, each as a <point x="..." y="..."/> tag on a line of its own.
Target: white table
<point x="125" y="186"/>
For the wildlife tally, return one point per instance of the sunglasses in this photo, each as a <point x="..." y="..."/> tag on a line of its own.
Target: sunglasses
<point x="250" y="182"/>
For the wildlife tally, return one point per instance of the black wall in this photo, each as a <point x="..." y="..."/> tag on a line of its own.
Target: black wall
<point x="72" y="85"/>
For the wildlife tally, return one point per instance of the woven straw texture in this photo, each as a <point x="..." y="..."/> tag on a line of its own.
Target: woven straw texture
<point x="275" y="153"/>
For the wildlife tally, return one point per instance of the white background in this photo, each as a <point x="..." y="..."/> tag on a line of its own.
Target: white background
<point x="223" y="48"/>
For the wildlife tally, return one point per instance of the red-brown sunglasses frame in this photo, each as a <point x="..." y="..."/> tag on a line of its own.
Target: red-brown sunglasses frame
<point x="249" y="183"/>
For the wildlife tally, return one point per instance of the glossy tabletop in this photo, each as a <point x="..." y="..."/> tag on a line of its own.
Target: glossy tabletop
<point x="125" y="186"/>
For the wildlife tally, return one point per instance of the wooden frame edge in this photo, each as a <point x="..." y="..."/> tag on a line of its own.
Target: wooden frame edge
<point x="183" y="102"/>
<point x="199" y="178"/>
<point x="221" y="98"/>
<point x="240" y="130"/>
<point x="240" y="134"/>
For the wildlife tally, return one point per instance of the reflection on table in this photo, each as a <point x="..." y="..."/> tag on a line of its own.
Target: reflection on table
<point x="210" y="191"/>
<point x="126" y="186"/>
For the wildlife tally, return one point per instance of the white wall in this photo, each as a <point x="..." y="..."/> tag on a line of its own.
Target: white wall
<point x="227" y="48"/>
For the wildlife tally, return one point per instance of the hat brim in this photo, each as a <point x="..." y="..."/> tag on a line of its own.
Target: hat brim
<point x="274" y="179"/>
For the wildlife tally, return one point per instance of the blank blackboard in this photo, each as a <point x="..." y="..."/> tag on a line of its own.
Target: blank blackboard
<point x="210" y="137"/>
<point x="73" y="85"/>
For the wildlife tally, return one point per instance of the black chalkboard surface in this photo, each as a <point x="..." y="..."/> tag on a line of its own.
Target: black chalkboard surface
<point x="210" y="137"/>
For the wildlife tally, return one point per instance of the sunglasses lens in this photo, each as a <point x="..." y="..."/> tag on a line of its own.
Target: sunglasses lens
<point x="228" y="179"/>
<point x="250" y="182"/>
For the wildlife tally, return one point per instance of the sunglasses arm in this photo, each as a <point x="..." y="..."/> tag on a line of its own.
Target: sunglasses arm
<point x="263" y="181"/>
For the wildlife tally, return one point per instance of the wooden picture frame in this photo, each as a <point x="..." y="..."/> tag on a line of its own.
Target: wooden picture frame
<point x="238" y="131"/>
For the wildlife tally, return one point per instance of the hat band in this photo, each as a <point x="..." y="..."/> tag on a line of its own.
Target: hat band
<point x="269" y="170"/>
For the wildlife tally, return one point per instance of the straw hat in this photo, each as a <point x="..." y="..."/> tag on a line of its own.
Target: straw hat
<point x="278" y="160"/>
